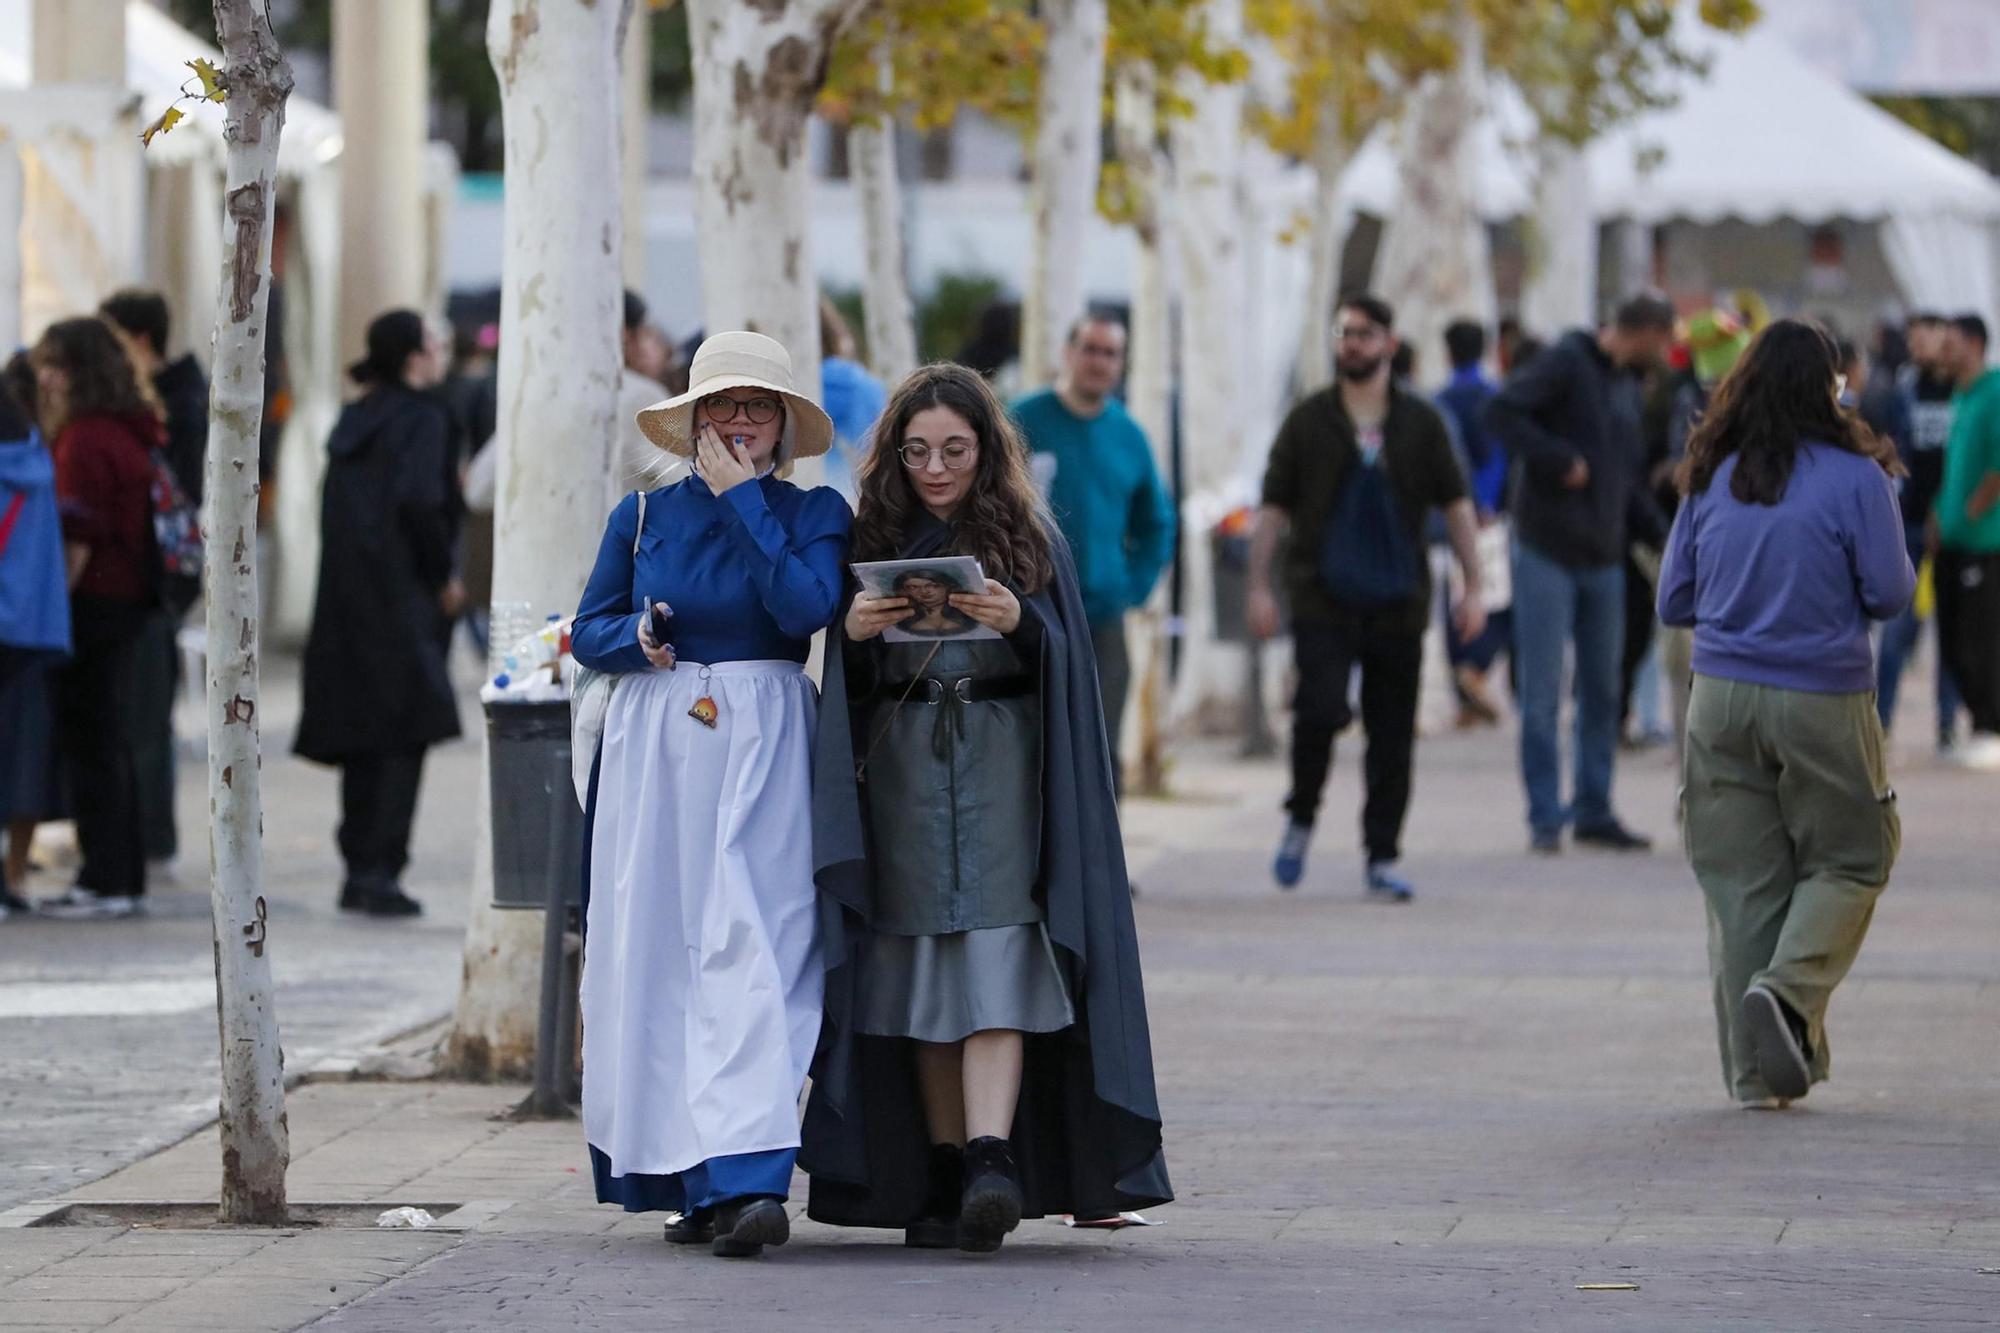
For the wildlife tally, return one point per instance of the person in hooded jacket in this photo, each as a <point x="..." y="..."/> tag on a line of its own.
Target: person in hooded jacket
<point x="104" y="426"/>
<point x="34" y="633"/>
<point x="377" y="694"/>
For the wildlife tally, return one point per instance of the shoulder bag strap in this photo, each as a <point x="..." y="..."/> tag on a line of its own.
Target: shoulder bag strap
<point x="861" y="769"/>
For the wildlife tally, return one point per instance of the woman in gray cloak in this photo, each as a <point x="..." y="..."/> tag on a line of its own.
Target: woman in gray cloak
<point x="984" y="1055"/>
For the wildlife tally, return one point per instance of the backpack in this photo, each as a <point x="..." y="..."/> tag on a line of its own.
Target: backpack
<point x="1366" y="559"/>
<point x="177" y="542"/>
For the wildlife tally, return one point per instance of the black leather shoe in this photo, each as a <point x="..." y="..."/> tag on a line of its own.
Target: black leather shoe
<point x="743" y="1227"/>
<point x="935" y="1227"/>
<point x="391" y="901"/>
<point x="692" y="1228"/>
<point x="1612" y="837"/>
<point x="991" y="1204"/>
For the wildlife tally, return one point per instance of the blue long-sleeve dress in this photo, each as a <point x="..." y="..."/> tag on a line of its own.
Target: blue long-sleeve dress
<point x="702" y="984"/>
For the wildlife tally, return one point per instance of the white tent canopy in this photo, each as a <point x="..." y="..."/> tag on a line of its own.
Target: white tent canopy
<point x="1763" y="137"/>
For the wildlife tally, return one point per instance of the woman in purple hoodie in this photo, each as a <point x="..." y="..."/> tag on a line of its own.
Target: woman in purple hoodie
<point x="1789" y="544"/>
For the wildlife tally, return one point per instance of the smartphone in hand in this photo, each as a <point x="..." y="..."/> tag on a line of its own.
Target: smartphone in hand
<point x="657" y="616"/>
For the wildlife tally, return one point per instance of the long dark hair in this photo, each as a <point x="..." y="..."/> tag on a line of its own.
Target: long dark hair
<point x="1003" y="522"/>
<point x="102" y="379"/>
<point x="1781" y="394"/>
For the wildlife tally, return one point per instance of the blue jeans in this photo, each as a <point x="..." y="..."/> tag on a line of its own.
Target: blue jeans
<point x="1899" y="640"/>
<point x="1555" y="605"/>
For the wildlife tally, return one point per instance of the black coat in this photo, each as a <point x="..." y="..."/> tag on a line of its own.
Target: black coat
<point x="1087" y="1129"/>
<point x="375" y="678"/>
<point x="1567" y="404"/>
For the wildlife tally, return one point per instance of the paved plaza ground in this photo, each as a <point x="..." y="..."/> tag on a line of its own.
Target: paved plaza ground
<point x="1452" y="1114"/>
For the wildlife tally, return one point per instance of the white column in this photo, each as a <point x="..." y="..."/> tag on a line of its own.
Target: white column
<point x="80" y="185"/>
<point x="380" y="84"/>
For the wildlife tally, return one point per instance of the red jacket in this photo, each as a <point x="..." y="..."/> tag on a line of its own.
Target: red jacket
<point x="104" y="481"/>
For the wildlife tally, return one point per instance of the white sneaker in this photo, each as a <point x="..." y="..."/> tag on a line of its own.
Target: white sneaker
<point x="81" y="904"/>
<point x="1981" y="753"/>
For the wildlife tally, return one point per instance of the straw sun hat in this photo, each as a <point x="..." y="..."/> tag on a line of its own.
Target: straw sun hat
<point x="733" y="361"/>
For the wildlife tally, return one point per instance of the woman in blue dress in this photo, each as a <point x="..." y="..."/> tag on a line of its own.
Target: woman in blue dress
<point x="702" y="981"/>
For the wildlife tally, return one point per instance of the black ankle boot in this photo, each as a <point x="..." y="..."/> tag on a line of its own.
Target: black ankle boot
<point x="991" y="1204"/>
<point x="743" y="1227"/>
<point x="935" y="1226"/>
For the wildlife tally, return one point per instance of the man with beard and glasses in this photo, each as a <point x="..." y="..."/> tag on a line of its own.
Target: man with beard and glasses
<point x="1571" y="419"/>
<point x="1354" y="472"/>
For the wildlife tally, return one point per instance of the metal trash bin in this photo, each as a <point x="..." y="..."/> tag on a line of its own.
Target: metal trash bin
<point x="538" y="863"/>
<point x="537" y="826"/>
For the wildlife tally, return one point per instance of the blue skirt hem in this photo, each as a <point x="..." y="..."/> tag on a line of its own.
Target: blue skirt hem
<point x="700" y="1186"/>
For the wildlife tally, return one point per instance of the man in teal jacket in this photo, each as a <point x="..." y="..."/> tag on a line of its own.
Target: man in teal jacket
<point x="1968" y="529"/>
<point x="1097" y="466"/>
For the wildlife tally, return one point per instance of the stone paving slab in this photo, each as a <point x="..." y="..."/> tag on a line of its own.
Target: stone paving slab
<point x="1447" y="1115"/>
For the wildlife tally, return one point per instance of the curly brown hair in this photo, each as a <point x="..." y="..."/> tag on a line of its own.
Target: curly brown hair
<point x="1004" y="522"/>
<point x="103" y="381"/>
<point x="1780" y="395"/>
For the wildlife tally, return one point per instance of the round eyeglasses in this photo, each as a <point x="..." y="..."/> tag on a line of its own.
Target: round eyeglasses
<point x="759" y="411"/>
<point x="917" y="457"/>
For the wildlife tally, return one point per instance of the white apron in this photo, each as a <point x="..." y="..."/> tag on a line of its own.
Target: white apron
<point x="701" y="976"/>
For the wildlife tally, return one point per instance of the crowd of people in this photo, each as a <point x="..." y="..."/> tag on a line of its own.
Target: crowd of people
<point x="908" y="886"/>
<point x="100" y="468"/>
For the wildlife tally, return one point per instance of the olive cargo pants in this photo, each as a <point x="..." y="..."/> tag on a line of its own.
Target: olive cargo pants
<point x="1792" y="830"/>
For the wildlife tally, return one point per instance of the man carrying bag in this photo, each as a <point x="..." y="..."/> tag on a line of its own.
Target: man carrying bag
<point x="1354" y="471"/>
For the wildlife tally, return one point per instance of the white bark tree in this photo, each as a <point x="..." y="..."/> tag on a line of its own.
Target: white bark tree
<point x="557" y="62"/>
<point x="1562" y="265"/>
<point x="256" y="1145"/>
<point x="1066" y="158"/>
<point x="885" y="293"/>
<point x="1208" y="154"/>
<point x="1436" y="265"/>
<point x="1149" y="372"/>
<point x="1326" y="238"/>
<point x="1207" y="147"/>
<point x="757" y="69"/>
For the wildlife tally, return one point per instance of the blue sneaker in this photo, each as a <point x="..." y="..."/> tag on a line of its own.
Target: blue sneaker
<point x="1290" y="865"/>
<point x="1386" y="886"/>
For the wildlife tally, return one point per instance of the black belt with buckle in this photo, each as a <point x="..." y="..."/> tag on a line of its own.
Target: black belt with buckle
<point x="966" y="689"/>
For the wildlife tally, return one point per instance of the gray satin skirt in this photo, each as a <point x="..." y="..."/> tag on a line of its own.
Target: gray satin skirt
<point x="944" y="988"/>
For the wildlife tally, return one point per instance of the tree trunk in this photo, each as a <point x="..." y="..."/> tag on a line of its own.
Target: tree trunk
<point x="1214" y="300"/>
<point x="1562" y="251"/>
<point x="1324" y="244"/>
<point x="757" y="69"/>
<point x="256" y="1145"/>
<point x="635" y="130"/>
<point x="1149" y="378"/>
<point x="1207" y="166"/>
<point x="1067" y="154"/>
<point x="885" y="295"/>
<point x="1435" y="265"/>
<point x="560" y="303"/>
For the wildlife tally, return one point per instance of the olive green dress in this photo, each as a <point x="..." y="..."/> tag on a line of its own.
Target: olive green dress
<point x="953" y="803"/>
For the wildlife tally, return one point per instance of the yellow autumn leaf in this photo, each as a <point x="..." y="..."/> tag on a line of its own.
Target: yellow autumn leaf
<point x="211" y="80"/>
<point x="168" y="119"/>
